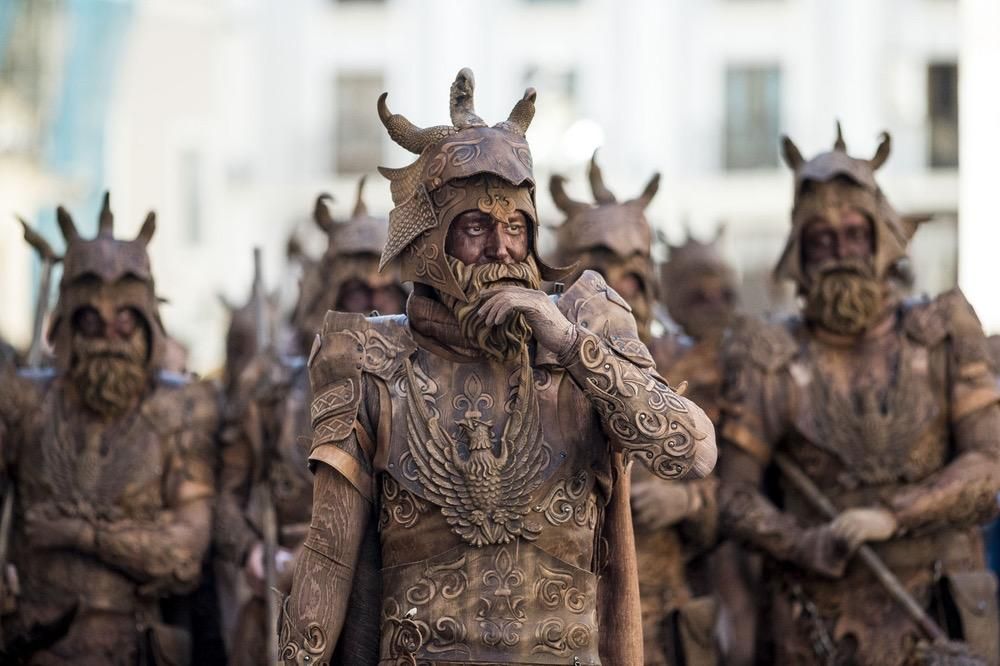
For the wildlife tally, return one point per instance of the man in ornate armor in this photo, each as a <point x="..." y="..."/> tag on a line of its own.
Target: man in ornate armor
<point x="270" y="415"/>
<point x="674" y="520"/>
<point x="111" y="463"/>
<point x="475" y="450"/>
<point x="700" y="291"/>
<point x="886" y="407"/>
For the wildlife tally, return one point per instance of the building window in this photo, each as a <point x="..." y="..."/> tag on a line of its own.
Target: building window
<point x="753" y="115"/>
<point x="359" y="134"/>
<point x="942" y="114"/>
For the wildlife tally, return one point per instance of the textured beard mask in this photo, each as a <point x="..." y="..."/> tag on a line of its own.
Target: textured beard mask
<point x="844" y="297"/>
<point x="110" y="374"/>
<point x="504" y="341"/>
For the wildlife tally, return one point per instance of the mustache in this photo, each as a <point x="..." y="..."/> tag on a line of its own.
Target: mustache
<point x="110" y="374"/>
<point x="478" y="282"/>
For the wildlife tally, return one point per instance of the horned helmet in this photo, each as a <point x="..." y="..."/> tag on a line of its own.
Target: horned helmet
<point x="463" y="166"/>
<point x="352" y="253"/>
<point x="107" y="274"/>
<point x="611" y="237"/>
<point x="892" y="232"/>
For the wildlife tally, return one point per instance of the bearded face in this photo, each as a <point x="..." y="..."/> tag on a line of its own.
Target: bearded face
<point x="844" y="297"/>
<point x="632" y="278"/>
<point x="108" y="368"/>
<point x="703" y="305"/>
<point x="505" y="341"/>
<point x="842" y="292"/>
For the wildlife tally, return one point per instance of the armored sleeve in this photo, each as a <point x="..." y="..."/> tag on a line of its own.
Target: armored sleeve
<point x="963" y="492"/>
<point x="350" y="359"/>
<point x="315" y="610"/>
<point x="639" y="412"/>
<point x="756" y="357"/>
<point x="165" y="553"/>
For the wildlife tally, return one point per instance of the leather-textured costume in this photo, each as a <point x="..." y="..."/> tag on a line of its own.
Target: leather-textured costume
<point x="111" y="514"/>
<point x="486" y="500"/>
<point x="269" y="423"/>
<point x="903" y="417"/>
<point x="615" y="239"/>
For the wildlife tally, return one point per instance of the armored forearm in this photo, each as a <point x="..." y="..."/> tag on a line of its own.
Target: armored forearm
<point x="164" y="555"/>
<point x="643" y="416"/>
<point x="314" y="613"/>
<point x="964" y="492"/>
<point x="750" y="517"/>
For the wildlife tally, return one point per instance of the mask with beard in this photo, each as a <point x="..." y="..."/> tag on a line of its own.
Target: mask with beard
<point x="507" y="340"/>
<point x="844" y="297"/>
<point x="110" y="374"/>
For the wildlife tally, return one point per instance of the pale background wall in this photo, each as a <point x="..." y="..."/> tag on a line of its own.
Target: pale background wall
<point x="229" y="116"/>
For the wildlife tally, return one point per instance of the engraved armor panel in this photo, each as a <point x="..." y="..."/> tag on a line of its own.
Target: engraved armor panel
<point x="480" y="604"/>
<point x="76" y="471"/>
<point x="883" y="426"/>
<point x="527" y="586"/>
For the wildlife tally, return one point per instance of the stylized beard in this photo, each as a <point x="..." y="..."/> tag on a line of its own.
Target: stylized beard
<point x="844" y="297"/>
<point x="110" y="374"/>
<point x="503" y="341"/>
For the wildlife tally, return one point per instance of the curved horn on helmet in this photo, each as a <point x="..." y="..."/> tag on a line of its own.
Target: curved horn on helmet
<point x="405" y="133"/>
<point x="226" y="303"/>
<point x="462" y="100"/>
<point x="106" y="221"/>
<point x="839" y="144"/>
<point x="601" y="193"/>
<point x="66" y="225"/>
<point x="882" y="152"/>
<point x="148" y="228"/>
<point x="562" y="200"/>
<point x="35" y="240"/>
<point x="360" y="209"/>
<point x="321" y="213"/>
<point x="522" y="113"/>
<point x="790" y="152"/>
<point x="720" y="231"/>
<point x="650" y="191"/>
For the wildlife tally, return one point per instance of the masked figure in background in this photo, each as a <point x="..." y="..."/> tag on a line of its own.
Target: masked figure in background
<point x="270" y="420"/>
<point x="112" y="467"/>
<point x="484" y="435"/>
<point x="886" y="407"/>
<point x="700" y="291"/>
<point x="674" y="520"/>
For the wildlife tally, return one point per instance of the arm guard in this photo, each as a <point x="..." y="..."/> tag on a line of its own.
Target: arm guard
<point x="750" y="517"/>
<point x="314" y="612"/>
<point x="349" y="352"/>
<point x="639" y="411"/>
<point x="963" y="492"/>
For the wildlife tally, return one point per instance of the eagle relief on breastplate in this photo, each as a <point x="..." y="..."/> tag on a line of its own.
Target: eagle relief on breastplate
<point x="878" y="431"/>
<point x="482" y="483"/>
<point x="492" y="595"/>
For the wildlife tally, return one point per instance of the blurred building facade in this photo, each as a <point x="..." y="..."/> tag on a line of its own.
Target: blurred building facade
<point x="229" y="116"/>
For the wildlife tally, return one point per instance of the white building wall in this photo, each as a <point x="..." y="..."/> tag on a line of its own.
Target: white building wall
<point x="249" y="86"/>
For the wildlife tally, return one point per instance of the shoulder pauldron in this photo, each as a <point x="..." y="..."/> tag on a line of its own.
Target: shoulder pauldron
<point x="352" y="345"/>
